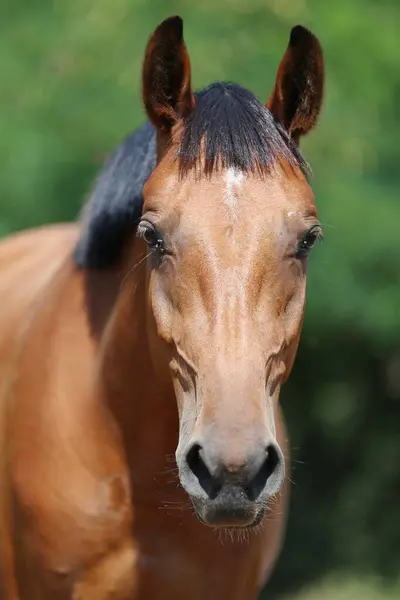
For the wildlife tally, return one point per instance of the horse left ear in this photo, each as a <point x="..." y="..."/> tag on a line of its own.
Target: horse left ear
<point x="166" y="82"/>
<point x="297" y="96"/>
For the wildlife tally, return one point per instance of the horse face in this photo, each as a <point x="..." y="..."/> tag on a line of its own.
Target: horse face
<point x="229" y="219"/>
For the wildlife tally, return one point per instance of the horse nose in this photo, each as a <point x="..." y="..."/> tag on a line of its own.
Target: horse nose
<point x="261" y="471"/>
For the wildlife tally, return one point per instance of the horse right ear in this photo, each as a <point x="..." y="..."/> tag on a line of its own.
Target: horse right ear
<point x="166" y="89"/>
<point x="297" y="96"/>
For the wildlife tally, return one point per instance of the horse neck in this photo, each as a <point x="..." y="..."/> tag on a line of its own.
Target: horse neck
<point x="143" y="406"/>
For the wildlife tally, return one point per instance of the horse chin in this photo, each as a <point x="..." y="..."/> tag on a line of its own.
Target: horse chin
<point x="238" y="519"/>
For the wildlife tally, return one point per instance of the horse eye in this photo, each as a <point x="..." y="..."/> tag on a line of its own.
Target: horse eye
<point x="148" y="233"/>
<point x="150" y="236"/>
<point x="308" y="241"/>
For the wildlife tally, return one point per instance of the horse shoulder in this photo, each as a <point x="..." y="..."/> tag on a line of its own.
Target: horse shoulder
<point x="27" y="262"/>
<point x="67" y="481"/>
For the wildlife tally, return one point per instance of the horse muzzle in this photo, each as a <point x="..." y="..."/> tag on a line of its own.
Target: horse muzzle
<point x="228" y="493"/>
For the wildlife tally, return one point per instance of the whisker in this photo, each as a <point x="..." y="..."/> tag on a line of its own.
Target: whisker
<point x="135" y="266"/>
<point x="293" y="482"/>
<point x="326" y="225"/>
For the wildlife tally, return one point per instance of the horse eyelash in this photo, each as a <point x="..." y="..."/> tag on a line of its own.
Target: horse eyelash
<point x="140" y="231"/>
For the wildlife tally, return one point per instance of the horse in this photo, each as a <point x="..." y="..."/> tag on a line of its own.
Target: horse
<point x="143" y="451"/>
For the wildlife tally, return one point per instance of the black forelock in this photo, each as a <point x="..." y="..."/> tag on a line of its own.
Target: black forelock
<point x="230" y="127"/>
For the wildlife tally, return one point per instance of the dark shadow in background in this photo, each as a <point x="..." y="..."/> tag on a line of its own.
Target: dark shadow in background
<point x="346" y="492"/>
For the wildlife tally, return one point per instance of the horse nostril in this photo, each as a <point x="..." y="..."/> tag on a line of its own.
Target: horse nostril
<point x="199" y="468"/>
<point x="267" y="470"/>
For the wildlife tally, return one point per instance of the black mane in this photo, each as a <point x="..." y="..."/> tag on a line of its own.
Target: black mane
<point x="115" y="204"/>
<point x="229" y="127"/>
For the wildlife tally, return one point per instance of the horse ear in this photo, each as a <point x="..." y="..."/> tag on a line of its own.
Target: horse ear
<point x="297" y="96"/>
<point x="166" y="89"/>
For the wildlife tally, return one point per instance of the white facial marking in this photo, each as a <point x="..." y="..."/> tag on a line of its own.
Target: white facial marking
<point x="234" y="180"/>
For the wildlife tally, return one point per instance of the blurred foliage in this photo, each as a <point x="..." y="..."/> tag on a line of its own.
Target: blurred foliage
<point x="349" y="589"/>
<point x="71" y="90"/>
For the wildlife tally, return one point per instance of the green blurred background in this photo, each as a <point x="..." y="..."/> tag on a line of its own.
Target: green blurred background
<point x="70" y="90"/>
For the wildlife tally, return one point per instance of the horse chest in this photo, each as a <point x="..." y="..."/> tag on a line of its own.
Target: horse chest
<point x="128" y="573"/>
<point x="177" y="576"/>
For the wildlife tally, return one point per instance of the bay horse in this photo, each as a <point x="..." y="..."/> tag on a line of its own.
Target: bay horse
<point x="143" y="349"/>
